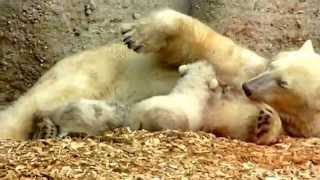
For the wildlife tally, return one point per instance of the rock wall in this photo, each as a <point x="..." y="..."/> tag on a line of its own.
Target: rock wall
<point x="35" y="34"/>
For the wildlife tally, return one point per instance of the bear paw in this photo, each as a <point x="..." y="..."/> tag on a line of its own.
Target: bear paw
<point x="45" y="129"/>
<point x="151" y="33"/>
<point x="143" y="38"/>
<point x="263" y="126"/>
<point x="263" y="122"/>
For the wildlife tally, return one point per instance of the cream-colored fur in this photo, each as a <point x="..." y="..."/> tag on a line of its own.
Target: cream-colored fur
<point x="292" y="86"/>
<point x="178" y="39"/>
<point x="90" y="117"/>
<point x="183" y="107"/>
<point x="111" y="72"/>
<point x="230" y="114"/>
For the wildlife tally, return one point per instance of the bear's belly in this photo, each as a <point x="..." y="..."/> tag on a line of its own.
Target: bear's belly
<point x="133" y="87"/>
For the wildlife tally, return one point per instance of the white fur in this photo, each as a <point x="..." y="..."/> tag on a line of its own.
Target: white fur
<point x="297" y="99"/>
<point x="183" y="107"/>
<point x="113" y="72"/>
<point x="231" y="114"/>
<point x="110" y="72"/>
<point x="90" y="117"/>
<point x="177" y="37"/>
<point x="307" y="47"/>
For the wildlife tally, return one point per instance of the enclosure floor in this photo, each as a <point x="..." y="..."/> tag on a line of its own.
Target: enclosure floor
<point x="162" y="155"/>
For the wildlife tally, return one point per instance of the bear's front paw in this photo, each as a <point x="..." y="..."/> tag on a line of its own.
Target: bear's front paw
<point x="143" y="37"/>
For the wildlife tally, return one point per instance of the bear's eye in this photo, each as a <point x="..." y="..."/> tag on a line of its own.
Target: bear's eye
<point x="281" y="83"/>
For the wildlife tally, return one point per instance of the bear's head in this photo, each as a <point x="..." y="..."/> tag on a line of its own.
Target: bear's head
<point x="291" y="83"/>
<point x="201" y="69"/>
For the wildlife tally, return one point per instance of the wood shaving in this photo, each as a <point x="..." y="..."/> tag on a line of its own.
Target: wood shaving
<point x="121" y="154"/>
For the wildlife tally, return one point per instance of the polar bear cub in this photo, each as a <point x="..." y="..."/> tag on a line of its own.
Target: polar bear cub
<point x="183" y="107"/>
<point x="90" y="117"/>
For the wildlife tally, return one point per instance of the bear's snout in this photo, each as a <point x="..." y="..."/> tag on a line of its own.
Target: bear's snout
<point x="246" y="90"/>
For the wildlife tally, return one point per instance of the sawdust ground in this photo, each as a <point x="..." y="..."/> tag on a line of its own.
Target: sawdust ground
<point x="121" y="154"/>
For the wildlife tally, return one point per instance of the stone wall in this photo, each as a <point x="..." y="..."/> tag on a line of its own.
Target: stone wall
<point x="35" y="34"/>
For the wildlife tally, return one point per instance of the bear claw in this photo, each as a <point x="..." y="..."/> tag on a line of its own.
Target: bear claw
<point x="138" y="48"/>
<point x="45" y="129"/>
<point x="126" y="39"/>
<point x="123" y="32"/>
<point x="129" y="43"/>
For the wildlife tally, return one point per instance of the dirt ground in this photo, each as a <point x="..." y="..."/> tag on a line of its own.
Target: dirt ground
<point x="35" y="34"/>
<point x="162" y="155"/>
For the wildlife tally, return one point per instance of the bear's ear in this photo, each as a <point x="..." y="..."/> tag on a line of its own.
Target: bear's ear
<point x="183" y="69"/>
<point x="213" y="84"/>
<point x="307" y="46"/>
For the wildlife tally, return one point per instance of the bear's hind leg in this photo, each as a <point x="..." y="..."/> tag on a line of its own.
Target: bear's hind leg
<point x="44" y="129"/>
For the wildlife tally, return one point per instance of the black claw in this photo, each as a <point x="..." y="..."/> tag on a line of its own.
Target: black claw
<point x="138" y="48"/>
<point x="126" y="39"/>
<point x="125" y="31"/>
<point x="129" y="43"/>
<point x="269" y="110"/>
<point x="43" y="135"/>
<point x="261" y="121"/>
<point x="58" y="129"/>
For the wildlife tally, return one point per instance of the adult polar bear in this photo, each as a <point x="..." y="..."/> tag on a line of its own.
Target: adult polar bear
<point x="291" y="85"/>
<point x="114" y="72"/>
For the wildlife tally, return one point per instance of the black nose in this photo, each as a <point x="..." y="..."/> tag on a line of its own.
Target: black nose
<point x="246" y="89"/>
